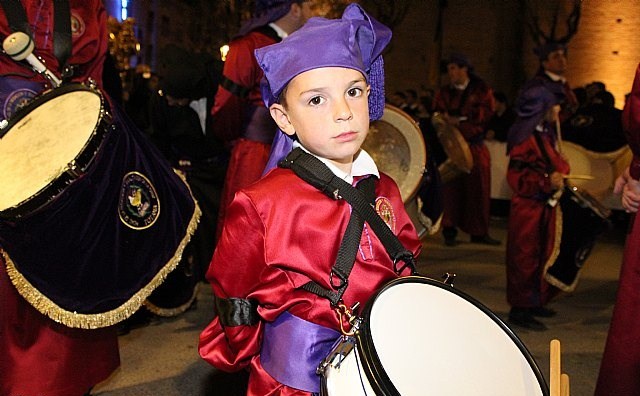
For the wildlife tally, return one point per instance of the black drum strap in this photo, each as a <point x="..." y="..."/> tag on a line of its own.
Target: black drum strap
<point x="18" y="22"/>
<point x="346" y="253"/>
<point x="549" y="165"/>
<point x="16" y="16"/>
<point x="316" y="173"/>
<point x="62" y="32"/>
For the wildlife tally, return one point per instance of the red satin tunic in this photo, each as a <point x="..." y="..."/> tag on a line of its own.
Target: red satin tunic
<point x="88" y="36"/>
<point x="281" y="232"/>
<point x="620" y="367"/>
<point x="532" y="223"/>
<point x="233" y="114"/>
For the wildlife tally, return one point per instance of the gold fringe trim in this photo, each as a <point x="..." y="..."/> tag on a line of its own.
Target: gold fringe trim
<point x="171" y="312"/>
<point x="552" y="280"/>
<point x="94" y="321"/>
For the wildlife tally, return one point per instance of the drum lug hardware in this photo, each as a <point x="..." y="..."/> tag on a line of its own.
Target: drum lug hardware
<point x="337" y="354"/>
<point x="3" y="124"/>
<point x="72" y="170"/>
<point x="108" y="118"/>
<point x="448" y="278"/>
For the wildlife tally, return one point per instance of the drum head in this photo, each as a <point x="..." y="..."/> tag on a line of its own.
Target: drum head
<point x="584" y="162"/>
<point x="396" y="144"/>
<point x="453" y="143"/>
<point x="422" y="336"/>
<point x="43" y="140"/>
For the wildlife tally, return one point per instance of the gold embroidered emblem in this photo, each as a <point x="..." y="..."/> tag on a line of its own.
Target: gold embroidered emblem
<point x="384" y="208"/>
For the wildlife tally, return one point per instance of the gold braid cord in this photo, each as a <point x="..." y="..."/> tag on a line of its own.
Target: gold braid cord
<point x="554" y="255"/>
<point x="171" y="312"/>
<point x="94" y="321"/>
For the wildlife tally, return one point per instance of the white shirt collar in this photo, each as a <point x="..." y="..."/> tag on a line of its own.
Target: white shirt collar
<point x="462" y="86"/>
<point x="281" y="33"/>
<point x="363" y="165"/>
<point x="555" y="77"/>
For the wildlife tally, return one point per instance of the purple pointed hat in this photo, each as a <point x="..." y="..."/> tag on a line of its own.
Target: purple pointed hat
<point x="355" y="41"/>
<point x="531" y="106"/>
<point x="266" y="11"/>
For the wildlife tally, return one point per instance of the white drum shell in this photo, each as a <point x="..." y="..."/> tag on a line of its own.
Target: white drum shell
<point x="432" y="341"/>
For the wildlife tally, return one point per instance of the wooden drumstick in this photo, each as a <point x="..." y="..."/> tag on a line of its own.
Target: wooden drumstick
<point x="554" y="368"/>
<point x="559" y="133"/>
<point x="19" y="46"/>
<point x="579" y="177"/>
<point x="564" y="385"/>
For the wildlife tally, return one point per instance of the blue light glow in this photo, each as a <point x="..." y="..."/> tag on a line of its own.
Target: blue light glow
<point x="124" y="14"/>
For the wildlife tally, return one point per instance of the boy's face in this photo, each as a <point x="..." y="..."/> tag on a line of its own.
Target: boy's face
<point x="327" y="109"/>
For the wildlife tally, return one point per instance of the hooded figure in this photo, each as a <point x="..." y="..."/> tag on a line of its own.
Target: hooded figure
<point x="621" y="358"/>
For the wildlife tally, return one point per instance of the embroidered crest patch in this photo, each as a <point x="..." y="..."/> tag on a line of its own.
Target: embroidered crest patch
<point x="77" y="25"/>
<point x="138" y="206"/>
<point x="16" y="100"/>
<point x="385" y="211"/>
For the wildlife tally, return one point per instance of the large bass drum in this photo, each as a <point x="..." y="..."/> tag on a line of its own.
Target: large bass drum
<point x="92" y="218"/>
<point x="583" y="220"/>
<point x="396" y="144"/>
<point x="419" y="336"/>
<point x="459" y="159"/>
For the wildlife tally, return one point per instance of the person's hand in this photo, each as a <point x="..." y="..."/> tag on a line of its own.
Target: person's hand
<point x="557" y="180"/>
<point x="630" y="189"/>
<point x="621" y="181"/>
<point x="455" y="121"/>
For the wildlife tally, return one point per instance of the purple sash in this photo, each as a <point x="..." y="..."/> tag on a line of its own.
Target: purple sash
<point x="293" y="348"/>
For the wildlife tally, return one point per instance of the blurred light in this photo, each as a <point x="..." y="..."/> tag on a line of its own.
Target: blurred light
<point x="224" y="50"/>
<point x="124" y="5"/>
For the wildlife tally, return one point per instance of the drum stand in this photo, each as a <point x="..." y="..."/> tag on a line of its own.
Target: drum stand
<point x="558" y="382"/>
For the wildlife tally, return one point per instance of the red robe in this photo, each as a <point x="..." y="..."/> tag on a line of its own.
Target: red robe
<point x="40" y="357"/>
<point x="467" y="199"/>
<point x="272" y="245"/>
<point x="88" y="35"/>
<point x="620" y="367"/>
<point x="241" y="116"/>
<point x="532" y="223"/>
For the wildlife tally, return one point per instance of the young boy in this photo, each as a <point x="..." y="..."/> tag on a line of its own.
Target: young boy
<point x="535" y="173"/>
<point x="282" y="233"/>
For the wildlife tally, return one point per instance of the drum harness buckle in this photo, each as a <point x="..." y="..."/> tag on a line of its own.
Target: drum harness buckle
<point x="348" y="314"/>
<point x="347" y="341"/>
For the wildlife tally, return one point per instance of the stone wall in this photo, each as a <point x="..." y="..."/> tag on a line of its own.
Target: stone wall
<point x="493" y="35"/>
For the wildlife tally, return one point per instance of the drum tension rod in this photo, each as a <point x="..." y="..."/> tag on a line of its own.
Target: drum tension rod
<point x="448" y="278"/>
